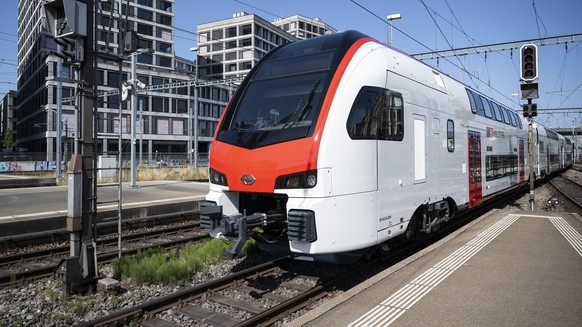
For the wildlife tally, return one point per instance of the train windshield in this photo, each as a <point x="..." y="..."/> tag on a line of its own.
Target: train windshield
<point x="281" y="102"/>
<point x="281" y="98"/>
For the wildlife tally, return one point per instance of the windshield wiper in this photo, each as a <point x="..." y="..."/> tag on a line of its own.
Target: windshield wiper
<point x="304" y="109"/>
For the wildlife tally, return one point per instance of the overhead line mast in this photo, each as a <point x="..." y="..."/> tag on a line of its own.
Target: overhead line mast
<point x="564" y="39"/>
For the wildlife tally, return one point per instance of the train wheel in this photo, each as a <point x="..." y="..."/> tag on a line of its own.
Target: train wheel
<point x="411" y="230"/>
<point x="384" y="249"/>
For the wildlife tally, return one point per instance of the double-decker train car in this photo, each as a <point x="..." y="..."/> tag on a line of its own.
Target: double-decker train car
<point x="338" y="145"/>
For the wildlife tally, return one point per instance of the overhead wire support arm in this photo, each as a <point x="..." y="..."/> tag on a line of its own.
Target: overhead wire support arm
<point x="167" y="86"/>
<point x="572" y="38"/>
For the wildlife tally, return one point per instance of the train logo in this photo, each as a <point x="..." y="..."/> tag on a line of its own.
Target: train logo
<point x="248" y="179"/>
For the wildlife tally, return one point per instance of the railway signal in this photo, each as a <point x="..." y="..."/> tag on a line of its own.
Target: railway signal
<point x="530" y="110"/>
<point x="529" y="63"/>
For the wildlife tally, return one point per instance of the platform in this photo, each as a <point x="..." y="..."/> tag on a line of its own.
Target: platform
<point x="44" y="209"/>
<point x="504" y="269"/>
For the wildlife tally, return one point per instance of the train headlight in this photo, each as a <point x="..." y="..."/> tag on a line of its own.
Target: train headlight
<point x="306" y="179"/>
<point x="217" y="177"/>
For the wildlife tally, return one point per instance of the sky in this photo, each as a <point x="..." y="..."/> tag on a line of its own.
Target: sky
<point x="426" y="25"/>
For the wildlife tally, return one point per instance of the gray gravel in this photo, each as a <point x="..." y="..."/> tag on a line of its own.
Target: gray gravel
<point x="41" y="303"/>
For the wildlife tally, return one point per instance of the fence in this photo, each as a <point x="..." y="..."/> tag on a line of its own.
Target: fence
<point x="36" y="162"/>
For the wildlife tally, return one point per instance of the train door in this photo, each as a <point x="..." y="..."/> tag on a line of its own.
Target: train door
<point x="521" y="161"/>
<point x="475" y="180"/>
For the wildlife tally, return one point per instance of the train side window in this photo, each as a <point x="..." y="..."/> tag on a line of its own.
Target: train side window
<point x="450" y="135"/>
<point x="487" y="107"/>
<point x="519" y="122"/>
<point x="471" y="101"/>
<point x="478" y="104"/>
<point x="364" y="119"/>
<point x="505" y="115"/>
<point x="515" y="119"/>
<point x="496" y="111"/>
<point x="393" y="118"/>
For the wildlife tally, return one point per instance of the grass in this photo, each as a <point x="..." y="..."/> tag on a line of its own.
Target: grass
<point x="181" y="173"/>
<point x="156" y="266"/>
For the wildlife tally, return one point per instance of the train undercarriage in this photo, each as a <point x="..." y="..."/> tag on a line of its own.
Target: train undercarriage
<point x="265" y="219"/>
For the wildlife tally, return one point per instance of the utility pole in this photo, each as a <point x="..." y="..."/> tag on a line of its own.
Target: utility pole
<point x="71" y="23"/>
<point x="529" y="73"/>
<point x="133" y="113"/>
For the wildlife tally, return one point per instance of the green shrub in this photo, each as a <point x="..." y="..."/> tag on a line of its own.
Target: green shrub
<point x="158" y="266"/>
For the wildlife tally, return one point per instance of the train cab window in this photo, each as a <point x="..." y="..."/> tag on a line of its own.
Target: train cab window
<point x="376" y="114"/>
<point x="487" y="107"/>
<point x="450" y="135"/>
<point x="497" y="111"/>
<point x="363" y="121"/>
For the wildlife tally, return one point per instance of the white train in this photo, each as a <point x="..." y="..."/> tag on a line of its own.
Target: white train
<point x="338" y="145"/>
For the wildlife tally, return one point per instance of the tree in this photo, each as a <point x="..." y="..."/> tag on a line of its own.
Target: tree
<point x="7" y="143"/>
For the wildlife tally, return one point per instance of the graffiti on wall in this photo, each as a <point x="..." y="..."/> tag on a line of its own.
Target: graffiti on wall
<point x="27" y="166"/>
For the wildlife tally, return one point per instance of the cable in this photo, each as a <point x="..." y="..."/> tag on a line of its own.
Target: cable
<point x="539" y="20"/>
<point x="444" y="36"/>
<point x="259" y="9"/>
<point x="431" y="50"/>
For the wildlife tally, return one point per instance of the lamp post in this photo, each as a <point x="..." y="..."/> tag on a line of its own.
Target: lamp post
<point x="194" y="115"/>
<point x="391" y="18"/>
<point x="134" y="85"/>
<point x="574" y="140"/>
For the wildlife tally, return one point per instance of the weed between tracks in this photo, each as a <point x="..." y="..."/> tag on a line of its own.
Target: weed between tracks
<point x="157" y="266"/>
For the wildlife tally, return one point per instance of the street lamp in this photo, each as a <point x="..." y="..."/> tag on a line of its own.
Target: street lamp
<point x="574" y="140"/>
<point x="193" y="153"/>
<point x="135" y="83"/>
<point x="391" y="18"/>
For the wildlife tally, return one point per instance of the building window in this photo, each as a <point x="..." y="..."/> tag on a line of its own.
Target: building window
<point x="165" y="20"/>
<point x="246" y="29"/>
<point x="145" y="29"/>
<point x="164" y="47"/>
<point x="165" y="6"/>
<point x="145" y="58"/>
<point x="231" y="32"/>
<point x="181" y="106"/>
<point x="164" y="61"/>
<point x="148" y="3"/>
<point x="145" y="15"/>
<point x="231" y="44"/>
<point x="217" y="35"/>
<point x="246" y="42"/>
<point x="113" y="79"/>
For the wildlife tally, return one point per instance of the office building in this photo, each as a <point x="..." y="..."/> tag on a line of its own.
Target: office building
<point x="164" y="128"/>
<point x="303" y="27"/>
<point x="7" y="119"/>
<point x="229" y="48"/>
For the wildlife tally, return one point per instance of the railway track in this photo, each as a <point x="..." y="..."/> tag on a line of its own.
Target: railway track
<point x="43" y="262"/>
<point x="265" y="293"/>
<point x="569" y="189"/>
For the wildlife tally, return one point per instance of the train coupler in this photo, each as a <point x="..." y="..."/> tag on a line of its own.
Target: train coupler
<point x="224" y="226"/>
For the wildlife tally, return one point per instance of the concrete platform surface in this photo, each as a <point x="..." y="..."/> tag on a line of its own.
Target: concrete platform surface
<point x="504" y="269"/>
